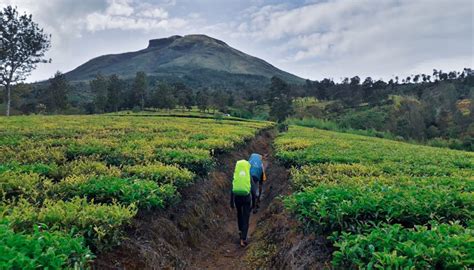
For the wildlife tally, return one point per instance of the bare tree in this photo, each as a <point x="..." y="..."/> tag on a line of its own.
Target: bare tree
<point x="23" y="47"/>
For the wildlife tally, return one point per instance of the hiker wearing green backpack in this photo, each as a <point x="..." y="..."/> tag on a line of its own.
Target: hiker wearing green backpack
<point x="241" y="197"/>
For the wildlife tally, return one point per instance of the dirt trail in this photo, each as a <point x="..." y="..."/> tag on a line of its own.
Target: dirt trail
<point x="201" y="231"/>
<point x="225" y="253"/>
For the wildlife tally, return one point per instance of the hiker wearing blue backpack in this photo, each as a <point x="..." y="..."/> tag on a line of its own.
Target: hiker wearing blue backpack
<point x="241" y="197"/>
<point x="257" y="173"/>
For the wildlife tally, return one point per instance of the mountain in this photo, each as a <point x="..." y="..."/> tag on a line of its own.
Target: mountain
<point x="196" y="60"/>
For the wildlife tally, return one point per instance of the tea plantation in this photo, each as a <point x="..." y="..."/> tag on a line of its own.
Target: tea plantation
<point x="69" y="185"/>
<point x="383" y="204"/>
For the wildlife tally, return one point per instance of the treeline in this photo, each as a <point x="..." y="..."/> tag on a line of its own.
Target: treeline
<point x="112" y="94"/>
<point x="438" y="108"/>
<point x="435" y="108"/>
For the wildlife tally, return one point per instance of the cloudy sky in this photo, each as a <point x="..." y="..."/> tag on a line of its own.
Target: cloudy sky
<point x="310" y="38"/>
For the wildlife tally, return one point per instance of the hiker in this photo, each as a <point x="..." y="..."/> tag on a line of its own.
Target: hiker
<point x="257" y="172"/>
<point x="241" y="198"/>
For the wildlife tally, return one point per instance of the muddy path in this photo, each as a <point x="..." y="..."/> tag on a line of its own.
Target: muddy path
<point x="200" y="232"/>
<point x="225" y="252"/>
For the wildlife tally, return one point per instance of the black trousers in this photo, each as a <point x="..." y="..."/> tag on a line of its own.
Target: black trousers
<point x="243" y="205"/>
<point x="256" y="190"/>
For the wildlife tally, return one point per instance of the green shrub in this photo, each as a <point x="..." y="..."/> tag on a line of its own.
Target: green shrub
<point x="14" y="185"/>
<point x="446" y="246"/>
<point x="100" y="224"/>
<point x="143" y="193"/>
<point x="196" y="160"/>
<point x="355" y="203"/>
<point x="77" y="150"/>
<point x="42" y="250"/>
<point x="313" y="175"/>
<point x="161" y="173"/>
<point x="90" y="167"/>
<point x="356" y="186"/>
<point x="49" y="170"/>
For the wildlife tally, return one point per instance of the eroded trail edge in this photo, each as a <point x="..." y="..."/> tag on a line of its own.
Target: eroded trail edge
<point x="200" y="231"/>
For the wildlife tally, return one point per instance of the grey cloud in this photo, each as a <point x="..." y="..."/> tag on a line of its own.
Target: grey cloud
<point x="311" y="38"/>
<point x="377" y="38"/>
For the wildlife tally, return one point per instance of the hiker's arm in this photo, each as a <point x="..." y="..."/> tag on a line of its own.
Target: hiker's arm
<point x="264" y="176"/>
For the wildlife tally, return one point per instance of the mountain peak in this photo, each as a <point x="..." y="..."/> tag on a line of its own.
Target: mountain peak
<point x="187" y="39"/>
<point x="200" y="60"/>
<point x="162" y="42"/>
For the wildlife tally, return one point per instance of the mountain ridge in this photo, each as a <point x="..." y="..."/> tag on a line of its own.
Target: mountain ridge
<point x="182" y="57"/>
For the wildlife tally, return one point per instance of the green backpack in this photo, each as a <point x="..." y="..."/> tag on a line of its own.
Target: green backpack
<point x="241" y="182"/>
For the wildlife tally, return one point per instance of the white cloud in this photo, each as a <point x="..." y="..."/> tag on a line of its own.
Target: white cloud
<point x="154" y="13"/>
<point x="119" y="8"/>
<point x="366" y="36"/>
<point x="311" y="38"/>
<point x="128" y="15"/>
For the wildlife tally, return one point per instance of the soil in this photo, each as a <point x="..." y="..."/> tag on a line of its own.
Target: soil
<point x="201" y="231"/>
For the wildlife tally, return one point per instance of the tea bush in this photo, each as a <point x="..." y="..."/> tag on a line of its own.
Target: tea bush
<point x="41" y="249"/>
<point x="143" y="193"/>
<point x="100" y="224"/>
<point x="388" y="204"/>
<point x="439" y="246"/>
<point x="89" y="175"/>
<point x="161" y="173"/>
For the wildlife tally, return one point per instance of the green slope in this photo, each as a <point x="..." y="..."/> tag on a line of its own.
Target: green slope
<point x="193" y="58"/>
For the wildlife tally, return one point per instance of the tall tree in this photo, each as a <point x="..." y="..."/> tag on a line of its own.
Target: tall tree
<point x="202" y="100"/>
<point x="23" y="46"/>
<point x="99" y="87"/>
<point x="184" y="96"/>
<point x="279" y="99"/>
<point x="114" y="93"/>
<point x="56" y="93"/>
<point x="163" y="97"/>
<point x="367" y="87"/>
<point x="219" y="100"/>
<point x="139" y="90"/>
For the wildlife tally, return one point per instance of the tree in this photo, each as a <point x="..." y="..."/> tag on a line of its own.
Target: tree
<point x="355" y="81"/>
<point x="23" y="46"/>
<point x="416" y="78"/>
<point x="163" y="97"/>
<point x="435" y="74"/>
<point x="367" y="87"/>
<point x="114" y="93"/>
<point x="452" y="75"/>
<point x="56" y="93"/>
<point x="442" y="76"/>
<point x="99" y="87"/>
<point x="279" y="99"/>
<point x="184" y="96"/>
<point x="202" y="100"/>
<point x="139" y="90"/>
<point x="219" y="101"/>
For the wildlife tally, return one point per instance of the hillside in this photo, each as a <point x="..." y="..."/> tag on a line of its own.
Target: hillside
<point x="437" y="112"/>
<point x="197" y="60"/>
<point x="137" y="192"/>
<point x="368" y="203"/>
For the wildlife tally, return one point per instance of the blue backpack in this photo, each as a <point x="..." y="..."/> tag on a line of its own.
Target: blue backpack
<point x="256" y="163"/>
